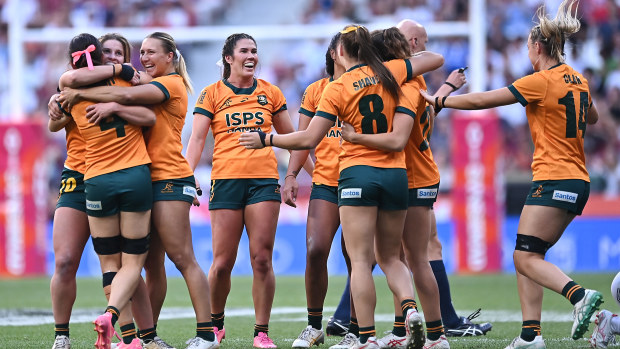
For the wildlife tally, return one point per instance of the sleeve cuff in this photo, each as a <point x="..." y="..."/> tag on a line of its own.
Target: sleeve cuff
<point x="517" y="95"/>
<point x="306" y="112"/>
<point x="198" y="110"/>
<point x="326" y="115"/>
<point x="406" y="111"/>
<point x="162" y="88"/>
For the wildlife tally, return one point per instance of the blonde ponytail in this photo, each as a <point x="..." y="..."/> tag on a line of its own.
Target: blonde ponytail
<point x="552" y="33"/>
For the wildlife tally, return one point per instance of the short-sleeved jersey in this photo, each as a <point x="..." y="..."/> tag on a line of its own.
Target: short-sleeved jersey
<point x="76" y="148"/>
<point x="233" y="110"/>
<point x="556" y="103"/>
<point x="111" y="145"/>
<point x="163" y="140"/>
<point x="422" y="170"/>
<point x="359" y="98"/>
<point x="326" y="152"/>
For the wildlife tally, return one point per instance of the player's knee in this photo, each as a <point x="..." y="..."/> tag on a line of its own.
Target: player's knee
<point x="108" y="245"/>
<point x="66" y="266"/>
<point x="261" y="263"/>
<point x="316" y="254"/>
<point x="136" y="246"/>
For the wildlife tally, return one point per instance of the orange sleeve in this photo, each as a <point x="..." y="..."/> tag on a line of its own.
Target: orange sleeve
<point x="204" y="105"/>
<point x="409" y="102"/>
<point x="328" y="104"/>
<point x="529" y="88"/>
<point x="279" y="101"/>
<point x="401" y="69"/>
<point x="308" y="101"/>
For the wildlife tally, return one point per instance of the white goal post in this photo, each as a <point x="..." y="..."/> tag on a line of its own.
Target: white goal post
<point x="474" y="29"/>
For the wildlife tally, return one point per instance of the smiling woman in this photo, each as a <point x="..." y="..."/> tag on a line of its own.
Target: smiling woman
<point x="244" y="186"/>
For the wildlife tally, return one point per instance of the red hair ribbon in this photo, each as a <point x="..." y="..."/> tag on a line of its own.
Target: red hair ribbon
<point x="77" y="54"/>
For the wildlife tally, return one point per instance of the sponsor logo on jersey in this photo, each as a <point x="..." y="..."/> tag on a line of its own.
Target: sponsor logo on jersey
<point x="94" y="205"/>
<point x="565" y="196"/>
<point x="262" y="99"/>
<point x="191" y="191"/>
<point x="427" y="193"/>
<point x="201" y="99"/>
<point x="351" y="193"/>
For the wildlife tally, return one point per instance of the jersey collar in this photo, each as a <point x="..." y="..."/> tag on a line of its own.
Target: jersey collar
<point x="241" y="91"/>
<point x="357" y="66"/>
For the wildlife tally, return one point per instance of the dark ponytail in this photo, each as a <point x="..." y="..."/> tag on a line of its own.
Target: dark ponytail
<point x="357" y="44"/>
<point x="329" y="61"/>
<point x="80" y="43"/>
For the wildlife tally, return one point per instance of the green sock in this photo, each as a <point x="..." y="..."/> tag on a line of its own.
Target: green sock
<point x="128" y="332"/>
<point x="399" y="326"/>
<point x="530" y="329"/>
<point x="434" y="330"/>
<point x="573" y="292"/>
<point x="204" y="330"/>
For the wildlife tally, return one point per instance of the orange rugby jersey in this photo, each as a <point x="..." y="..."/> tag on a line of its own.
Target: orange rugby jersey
<point x="234" y="110"/>
<point x="111" y="145"/>
<point x="326" y="152"/>
<point x="556" y="103"/>
<point x="163" y="140"/>
<point x="76" y="148"/>
<point x="422" y="170"/>
<point x="358" y="98"/>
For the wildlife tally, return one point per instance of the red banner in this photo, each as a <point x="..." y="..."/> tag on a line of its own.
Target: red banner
<point x="23" y="199"/>
<point x="477" y="191"/>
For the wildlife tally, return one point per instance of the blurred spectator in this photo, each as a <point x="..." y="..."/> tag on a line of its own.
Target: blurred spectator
<point x="292" y="65"/>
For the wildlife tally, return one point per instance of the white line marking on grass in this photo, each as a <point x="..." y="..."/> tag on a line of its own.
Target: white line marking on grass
<point x="28" y="317"/>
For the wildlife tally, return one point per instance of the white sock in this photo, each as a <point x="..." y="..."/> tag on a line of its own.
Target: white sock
<point x="615" y="325"/>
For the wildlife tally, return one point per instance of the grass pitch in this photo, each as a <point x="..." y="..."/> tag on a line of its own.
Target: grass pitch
<point x="26" y="322"/>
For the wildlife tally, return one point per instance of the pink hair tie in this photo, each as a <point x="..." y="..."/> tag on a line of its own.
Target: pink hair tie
<point x="77" y="54"/>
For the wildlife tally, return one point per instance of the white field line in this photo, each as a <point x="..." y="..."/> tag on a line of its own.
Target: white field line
<point x="28" y="317"/>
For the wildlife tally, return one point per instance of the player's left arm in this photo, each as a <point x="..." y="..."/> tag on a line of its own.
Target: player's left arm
<point x="283" y="124"/>
<point x="473" y="101"/>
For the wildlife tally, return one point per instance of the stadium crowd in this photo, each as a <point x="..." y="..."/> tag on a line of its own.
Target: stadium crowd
<point x="593" y="50"/>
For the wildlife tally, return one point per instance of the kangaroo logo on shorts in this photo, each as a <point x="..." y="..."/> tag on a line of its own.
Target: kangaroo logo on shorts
<point x="538" y="192"/>
<point x="278" y="189"/>
<point x="262" y="99"/>
<point x="167" y="188"/>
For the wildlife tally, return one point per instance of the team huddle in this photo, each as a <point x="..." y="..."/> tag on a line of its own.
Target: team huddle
<point x="127" y="185"/>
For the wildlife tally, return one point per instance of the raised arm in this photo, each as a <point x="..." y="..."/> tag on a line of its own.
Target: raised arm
<point x="141" y="94"/>
<point x="283" y="125"/>
<point x="473" y="101"/>
<point x="83" y="76"/>
<point x="306" y="139"/>
<point x="424" y="62"/>
<point x="389" y="141"/>
<point x="135" y="115"/>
